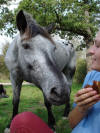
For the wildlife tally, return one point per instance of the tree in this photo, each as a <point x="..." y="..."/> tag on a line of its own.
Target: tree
<point x="6" y="17"/>
<point x="3" y="2"/>
<point x="67" y="15"/>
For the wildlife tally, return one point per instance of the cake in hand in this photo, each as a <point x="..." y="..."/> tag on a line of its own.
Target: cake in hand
<point x="95" y="86"/>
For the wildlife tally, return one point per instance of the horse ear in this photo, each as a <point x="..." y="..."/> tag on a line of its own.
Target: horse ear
<point x="21" y="21"/>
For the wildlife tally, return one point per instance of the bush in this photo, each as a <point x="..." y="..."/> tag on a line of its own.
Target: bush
<point x="4" y="73"/>
<point x="81" y="71"/>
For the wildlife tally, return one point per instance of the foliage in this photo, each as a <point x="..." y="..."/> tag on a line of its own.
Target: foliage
<point x="68" y="16"/>
<point x="6" y="18"/>
<point x="4" y="2"/>
<point x="32" y="100"/>
<point x="3" y="69"/>
<point x="81" y="71"/>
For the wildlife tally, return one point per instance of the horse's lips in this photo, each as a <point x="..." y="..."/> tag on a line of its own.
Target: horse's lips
<point x="57" y="102"/>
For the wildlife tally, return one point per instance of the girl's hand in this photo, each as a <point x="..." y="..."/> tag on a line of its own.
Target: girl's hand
<point x="85" y="98"/>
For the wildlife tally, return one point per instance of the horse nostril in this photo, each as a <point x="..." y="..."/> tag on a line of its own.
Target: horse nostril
<point x="30" y="67"/>
<point x="53" y="90"/>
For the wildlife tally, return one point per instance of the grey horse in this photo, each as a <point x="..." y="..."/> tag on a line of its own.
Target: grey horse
<point x="34" y="56"/>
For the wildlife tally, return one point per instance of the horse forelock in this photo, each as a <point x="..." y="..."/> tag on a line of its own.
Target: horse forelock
<point x="33" y="29"/>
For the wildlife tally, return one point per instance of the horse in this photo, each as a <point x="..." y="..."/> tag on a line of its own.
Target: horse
<point x="36" y="57"/>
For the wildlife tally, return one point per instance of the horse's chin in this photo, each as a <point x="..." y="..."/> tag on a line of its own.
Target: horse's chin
<point x="57" y="103"/>
<point x="7" y="130"/>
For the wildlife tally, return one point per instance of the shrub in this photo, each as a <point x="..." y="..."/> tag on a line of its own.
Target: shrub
<point x="4" y="73"/>
<point x="81" y="71"/>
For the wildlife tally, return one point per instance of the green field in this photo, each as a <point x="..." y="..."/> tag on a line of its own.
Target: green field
<point x="32" y="100"/>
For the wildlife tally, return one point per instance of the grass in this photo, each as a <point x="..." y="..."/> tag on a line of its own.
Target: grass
<point x="32" y="100"/>
<point x="3" y="80"/>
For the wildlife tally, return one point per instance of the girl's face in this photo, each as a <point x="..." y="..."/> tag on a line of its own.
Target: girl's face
<point x="95" y="53"/>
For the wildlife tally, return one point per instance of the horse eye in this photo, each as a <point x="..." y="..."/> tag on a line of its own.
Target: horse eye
<point x="66" y="44"/>
<point x="26" y="46"/>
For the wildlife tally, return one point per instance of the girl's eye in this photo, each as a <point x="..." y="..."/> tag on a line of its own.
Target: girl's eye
<point x="98" y="46"/>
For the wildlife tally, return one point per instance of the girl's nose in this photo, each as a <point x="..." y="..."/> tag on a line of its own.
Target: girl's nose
<point x="91" y="50"/>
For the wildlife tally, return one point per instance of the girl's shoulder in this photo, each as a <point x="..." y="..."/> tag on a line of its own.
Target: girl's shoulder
<point x="93" y="73"/>
<point x="91" y="76"/>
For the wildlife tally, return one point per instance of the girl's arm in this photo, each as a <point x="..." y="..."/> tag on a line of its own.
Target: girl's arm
<point x="84" y="98"/>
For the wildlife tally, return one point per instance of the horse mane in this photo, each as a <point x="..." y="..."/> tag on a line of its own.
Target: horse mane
<point x="33" y="29"/>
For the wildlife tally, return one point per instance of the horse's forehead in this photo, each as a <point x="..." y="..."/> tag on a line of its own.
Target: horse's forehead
<point x="38" y="40"/>
<point x="43" y="42"/>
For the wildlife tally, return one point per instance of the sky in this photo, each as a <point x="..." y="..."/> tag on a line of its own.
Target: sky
<point x="4" y="39"/>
